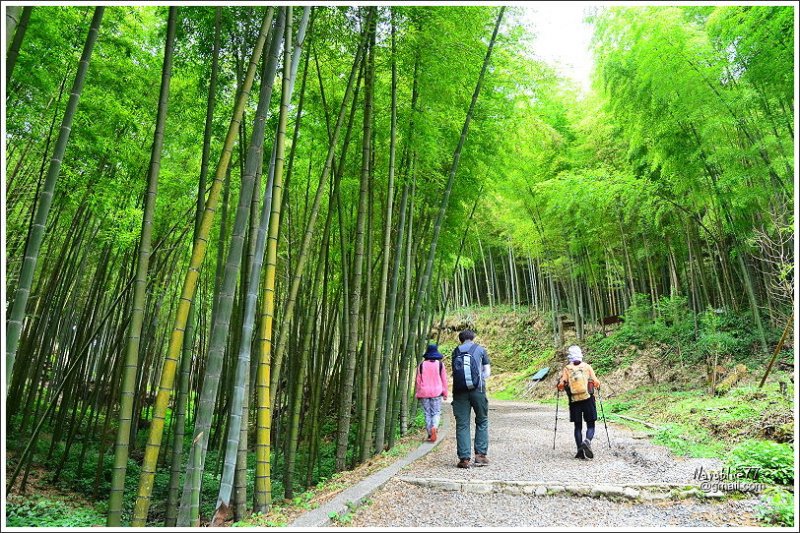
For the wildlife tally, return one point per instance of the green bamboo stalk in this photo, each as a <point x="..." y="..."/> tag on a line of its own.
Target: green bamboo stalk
<point x="17" y="314"/>
<point x="19" y="35"/>
<point x="302" y="257"/>
<point x="424" y="282"/>
<point x="243" y="361"/>
<point x="196" y="478"/>
<point x="140" y="285"/>
<point x="12" y="18"/>
<point x="386" y="319"/>
<point x="189" y="286"/>
<point x="221" y="323"/>
<point x="346" y="398"/>
<point x="188" y="340"/>
<point x="263" y="499"/>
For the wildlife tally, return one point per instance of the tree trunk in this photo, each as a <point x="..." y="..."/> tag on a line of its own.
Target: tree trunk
<point x="426" y="276"/>
<point x="15" y="45"/>
<point x="188" y="341"/>
<point x="302" y="257"/>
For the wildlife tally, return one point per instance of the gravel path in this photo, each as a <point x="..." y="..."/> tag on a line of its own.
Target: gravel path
<point x="400" y="504"/>
<point x="521" y="449"/>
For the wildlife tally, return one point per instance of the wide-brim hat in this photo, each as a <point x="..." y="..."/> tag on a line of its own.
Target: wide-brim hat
<point x="432" y="352"/>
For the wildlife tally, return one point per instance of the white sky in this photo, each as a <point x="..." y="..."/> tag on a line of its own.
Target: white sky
<point x="561" y="37"/>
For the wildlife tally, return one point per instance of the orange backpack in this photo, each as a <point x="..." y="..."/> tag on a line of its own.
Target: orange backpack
<point x="578" y="382"/>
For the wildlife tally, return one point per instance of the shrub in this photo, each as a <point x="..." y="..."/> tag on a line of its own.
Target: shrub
<point x="672" y="325"/>
<point x="775" y="461"/>
<point x="776" y="507"/>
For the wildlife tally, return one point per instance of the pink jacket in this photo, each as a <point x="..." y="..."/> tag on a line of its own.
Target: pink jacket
<point x="431" y="381"/>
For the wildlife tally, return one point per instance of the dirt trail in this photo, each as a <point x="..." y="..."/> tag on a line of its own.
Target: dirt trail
<point x="528" y="484"/>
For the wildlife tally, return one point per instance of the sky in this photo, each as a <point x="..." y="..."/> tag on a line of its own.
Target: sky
<point x="562" y="38"/>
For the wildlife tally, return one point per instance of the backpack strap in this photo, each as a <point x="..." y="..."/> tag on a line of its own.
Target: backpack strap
<point x="471" y="352"/>
<point x="419" y="369"/>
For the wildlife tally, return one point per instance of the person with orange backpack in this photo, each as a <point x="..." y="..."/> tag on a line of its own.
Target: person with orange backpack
<point x="431" y="388"/>
<point x="580" y="382"/>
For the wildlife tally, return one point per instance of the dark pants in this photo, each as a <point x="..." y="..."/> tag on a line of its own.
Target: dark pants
<point x="463" y="404"/>
<point x="580" y="411"/>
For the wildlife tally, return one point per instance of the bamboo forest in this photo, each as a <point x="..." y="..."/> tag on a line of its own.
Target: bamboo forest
<point x="231" y="231"/>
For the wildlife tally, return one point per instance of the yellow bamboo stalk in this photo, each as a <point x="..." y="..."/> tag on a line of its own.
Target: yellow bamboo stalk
<point x="167" y="381"/>
<point x="263" y="484"/>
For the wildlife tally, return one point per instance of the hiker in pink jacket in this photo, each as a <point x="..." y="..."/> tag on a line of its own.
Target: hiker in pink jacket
<point x="431" y="388"/>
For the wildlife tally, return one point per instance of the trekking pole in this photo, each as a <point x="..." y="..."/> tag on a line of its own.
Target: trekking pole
<point x="555" y="429"/>
<point x="604" y="417"/>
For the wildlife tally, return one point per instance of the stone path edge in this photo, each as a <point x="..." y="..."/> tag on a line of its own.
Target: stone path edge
<point x="350" y="498"/>
<point x="639" y="492"/>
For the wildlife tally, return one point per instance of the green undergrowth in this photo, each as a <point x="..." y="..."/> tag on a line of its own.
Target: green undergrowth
<point x="79" y="497"/>
<point x="683" y="337"/>
<point x="776" y="507"/>
<point x="51" y="511"/>
<point x="308" y="499"/>
<point x="742" y="429"/>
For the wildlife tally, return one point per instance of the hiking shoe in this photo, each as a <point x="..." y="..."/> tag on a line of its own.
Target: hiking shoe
<point x="434" y="434"/>
<point x="580" y="454"/>
<point x="463" y="463"/>
<point x="587" y="448"/>
<point x="481" y="460"/>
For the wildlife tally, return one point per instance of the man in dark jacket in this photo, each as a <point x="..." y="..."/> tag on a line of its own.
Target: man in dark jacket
<point x="471" y="367"/>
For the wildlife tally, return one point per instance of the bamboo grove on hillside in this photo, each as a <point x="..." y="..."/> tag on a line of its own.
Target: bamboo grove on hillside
<point x="229" y="229"/>
<point x="670" y="188"/>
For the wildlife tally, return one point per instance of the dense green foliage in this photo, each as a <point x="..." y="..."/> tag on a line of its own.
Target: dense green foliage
<point x="672" y="179"/>
<point x="774" y="461"/>
<point x="777" y="507"/>
<point x="44" y="512"/>
<point x="725" y="333"/>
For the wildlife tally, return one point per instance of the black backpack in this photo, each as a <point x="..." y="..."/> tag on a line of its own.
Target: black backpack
<point x="466" y="370"/>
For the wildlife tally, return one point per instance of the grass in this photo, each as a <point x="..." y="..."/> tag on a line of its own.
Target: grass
<point x="689" y="441"/>
<point x="514" y="387"/>
<point x="695" y="424"/>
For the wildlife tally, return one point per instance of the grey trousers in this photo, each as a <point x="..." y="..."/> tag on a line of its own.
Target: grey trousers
<point x="463" y="404"/>
<point x="433" y="411"/>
